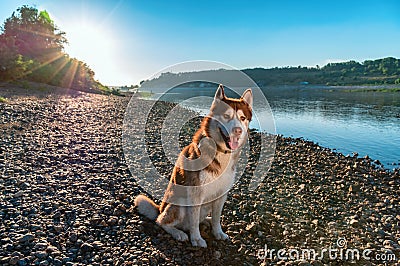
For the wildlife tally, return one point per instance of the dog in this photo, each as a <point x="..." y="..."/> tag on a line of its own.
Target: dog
<point x="204" y="172"/>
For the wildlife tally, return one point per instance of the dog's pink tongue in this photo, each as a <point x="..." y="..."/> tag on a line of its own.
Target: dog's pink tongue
<point x="234" y="143"/>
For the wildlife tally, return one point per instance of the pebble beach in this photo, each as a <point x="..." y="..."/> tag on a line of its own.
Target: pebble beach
<point x="66" y="195"/>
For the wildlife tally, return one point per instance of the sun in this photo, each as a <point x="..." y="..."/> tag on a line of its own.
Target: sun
<point x="91" y="43"/>
<point x="88" y="41"/>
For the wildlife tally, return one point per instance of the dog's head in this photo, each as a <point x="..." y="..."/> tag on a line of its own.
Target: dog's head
<point x="230" y="119"/>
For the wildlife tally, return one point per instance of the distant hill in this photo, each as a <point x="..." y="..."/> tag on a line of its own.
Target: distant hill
<point x="370" y="72"/>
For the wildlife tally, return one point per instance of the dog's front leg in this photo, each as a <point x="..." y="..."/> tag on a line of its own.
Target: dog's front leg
<point x="194" y="217"/>
<point x="217" y="206"/>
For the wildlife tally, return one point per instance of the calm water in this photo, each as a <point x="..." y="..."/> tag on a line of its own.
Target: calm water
<point x="364" y="122"/>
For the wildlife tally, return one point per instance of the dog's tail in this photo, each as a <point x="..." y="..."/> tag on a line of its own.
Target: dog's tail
<point x="147" y="207"/>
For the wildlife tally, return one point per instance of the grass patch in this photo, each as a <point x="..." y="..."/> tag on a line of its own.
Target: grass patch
<point x="3" y="100"/>
<point x="374" y="90"/>
<point x="43" y="89"/>
<point x="145" y="94"/>
<point x="24" y="84"/>
<point x="107" y="90"/>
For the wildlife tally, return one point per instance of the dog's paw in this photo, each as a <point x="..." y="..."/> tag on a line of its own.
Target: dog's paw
<point x="180" y="235"/>
<point x="220" y="235"/>
<point x="199" y="242"/>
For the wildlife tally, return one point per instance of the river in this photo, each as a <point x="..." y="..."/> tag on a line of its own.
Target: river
<point x="349" y="120"/>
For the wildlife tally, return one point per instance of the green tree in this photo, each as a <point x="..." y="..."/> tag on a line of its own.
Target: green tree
<point x="12" y="64"/>
<point x="35" y="34"/>
<point x="32" y="47"/>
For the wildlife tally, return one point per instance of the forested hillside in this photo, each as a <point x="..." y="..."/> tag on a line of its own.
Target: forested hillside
<point x="369" y="72"/>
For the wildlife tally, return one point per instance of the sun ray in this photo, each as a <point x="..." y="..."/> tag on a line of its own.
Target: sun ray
<point x="51" y="35"/>
<point x="54" y="57"/>
<point x="106" y="19"/>
<point x="70" y="75"/>
<point x="58" y="68"/>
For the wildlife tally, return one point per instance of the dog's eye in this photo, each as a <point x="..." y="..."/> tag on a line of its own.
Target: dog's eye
<point x="226" y="116"/>
<point x="242" y="118"/>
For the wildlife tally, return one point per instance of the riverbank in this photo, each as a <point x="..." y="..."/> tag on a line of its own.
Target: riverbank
<point x="67" y="196"/>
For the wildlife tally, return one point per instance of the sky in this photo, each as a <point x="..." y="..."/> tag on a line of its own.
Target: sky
<point x="127" y="41"/>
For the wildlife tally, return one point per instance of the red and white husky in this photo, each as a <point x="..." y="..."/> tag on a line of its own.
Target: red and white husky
<point x="216" y="146"/>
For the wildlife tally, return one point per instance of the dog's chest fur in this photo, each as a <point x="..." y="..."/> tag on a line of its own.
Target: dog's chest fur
<point x="218" y="182"/>
<point x="214" y="185"/>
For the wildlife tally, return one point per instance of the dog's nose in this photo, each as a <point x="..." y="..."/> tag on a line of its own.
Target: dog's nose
<point x="237" y="131"/>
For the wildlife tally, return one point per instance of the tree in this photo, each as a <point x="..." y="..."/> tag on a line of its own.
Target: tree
<point x="32" y="47"/>
<point x="34" y="33"/>
<point x="12" y="64"/>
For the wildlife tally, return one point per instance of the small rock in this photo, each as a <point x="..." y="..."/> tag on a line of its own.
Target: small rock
<point x="391" y="244"/>
<point x="13" y="261"/>
<point x="355" y="188"/>
<point x="52" y="250"/>
<point x="316" y="263"/>
<point x="44" y="263"/>
<point x="41" y="246"/>
<point x="57" y="215"/>
<point x="250" y="226"/>
<point x="26" y="238"/>
<point x="103" y="223"/>
<point x="381" y="232"/>
<point x="354" y="222"/>
<point x="18" y="194"/>
<point x="58" y="228"/>
<point x="371" y="245"/>
<point x="112" y="221"/>
<point x="36" y="227"/>
<point x="315" y="222"/>
<point x="73" y="237"/>
<point x="4" y="260"/>
<point x="41" y="255"/>
<point x="17" y="254"/>
<point x="57" y="262"/>
<point x="86" y="247"/>
<point x="22" y="262"/>
<point x="97" y="244"/>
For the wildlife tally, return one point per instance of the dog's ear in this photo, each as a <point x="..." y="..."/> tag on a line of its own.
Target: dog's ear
<point x="220" y="94"/>
<point x="248" y="97"/>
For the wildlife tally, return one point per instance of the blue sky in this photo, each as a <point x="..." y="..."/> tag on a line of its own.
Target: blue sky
<point x="128" y="41"/>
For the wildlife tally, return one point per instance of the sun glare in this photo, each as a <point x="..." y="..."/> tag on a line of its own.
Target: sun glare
<point x="90" y="44"/>
<point x="88" y="41"/>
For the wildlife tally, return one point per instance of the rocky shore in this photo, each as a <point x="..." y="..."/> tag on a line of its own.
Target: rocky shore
<point x="66" y="197"/>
